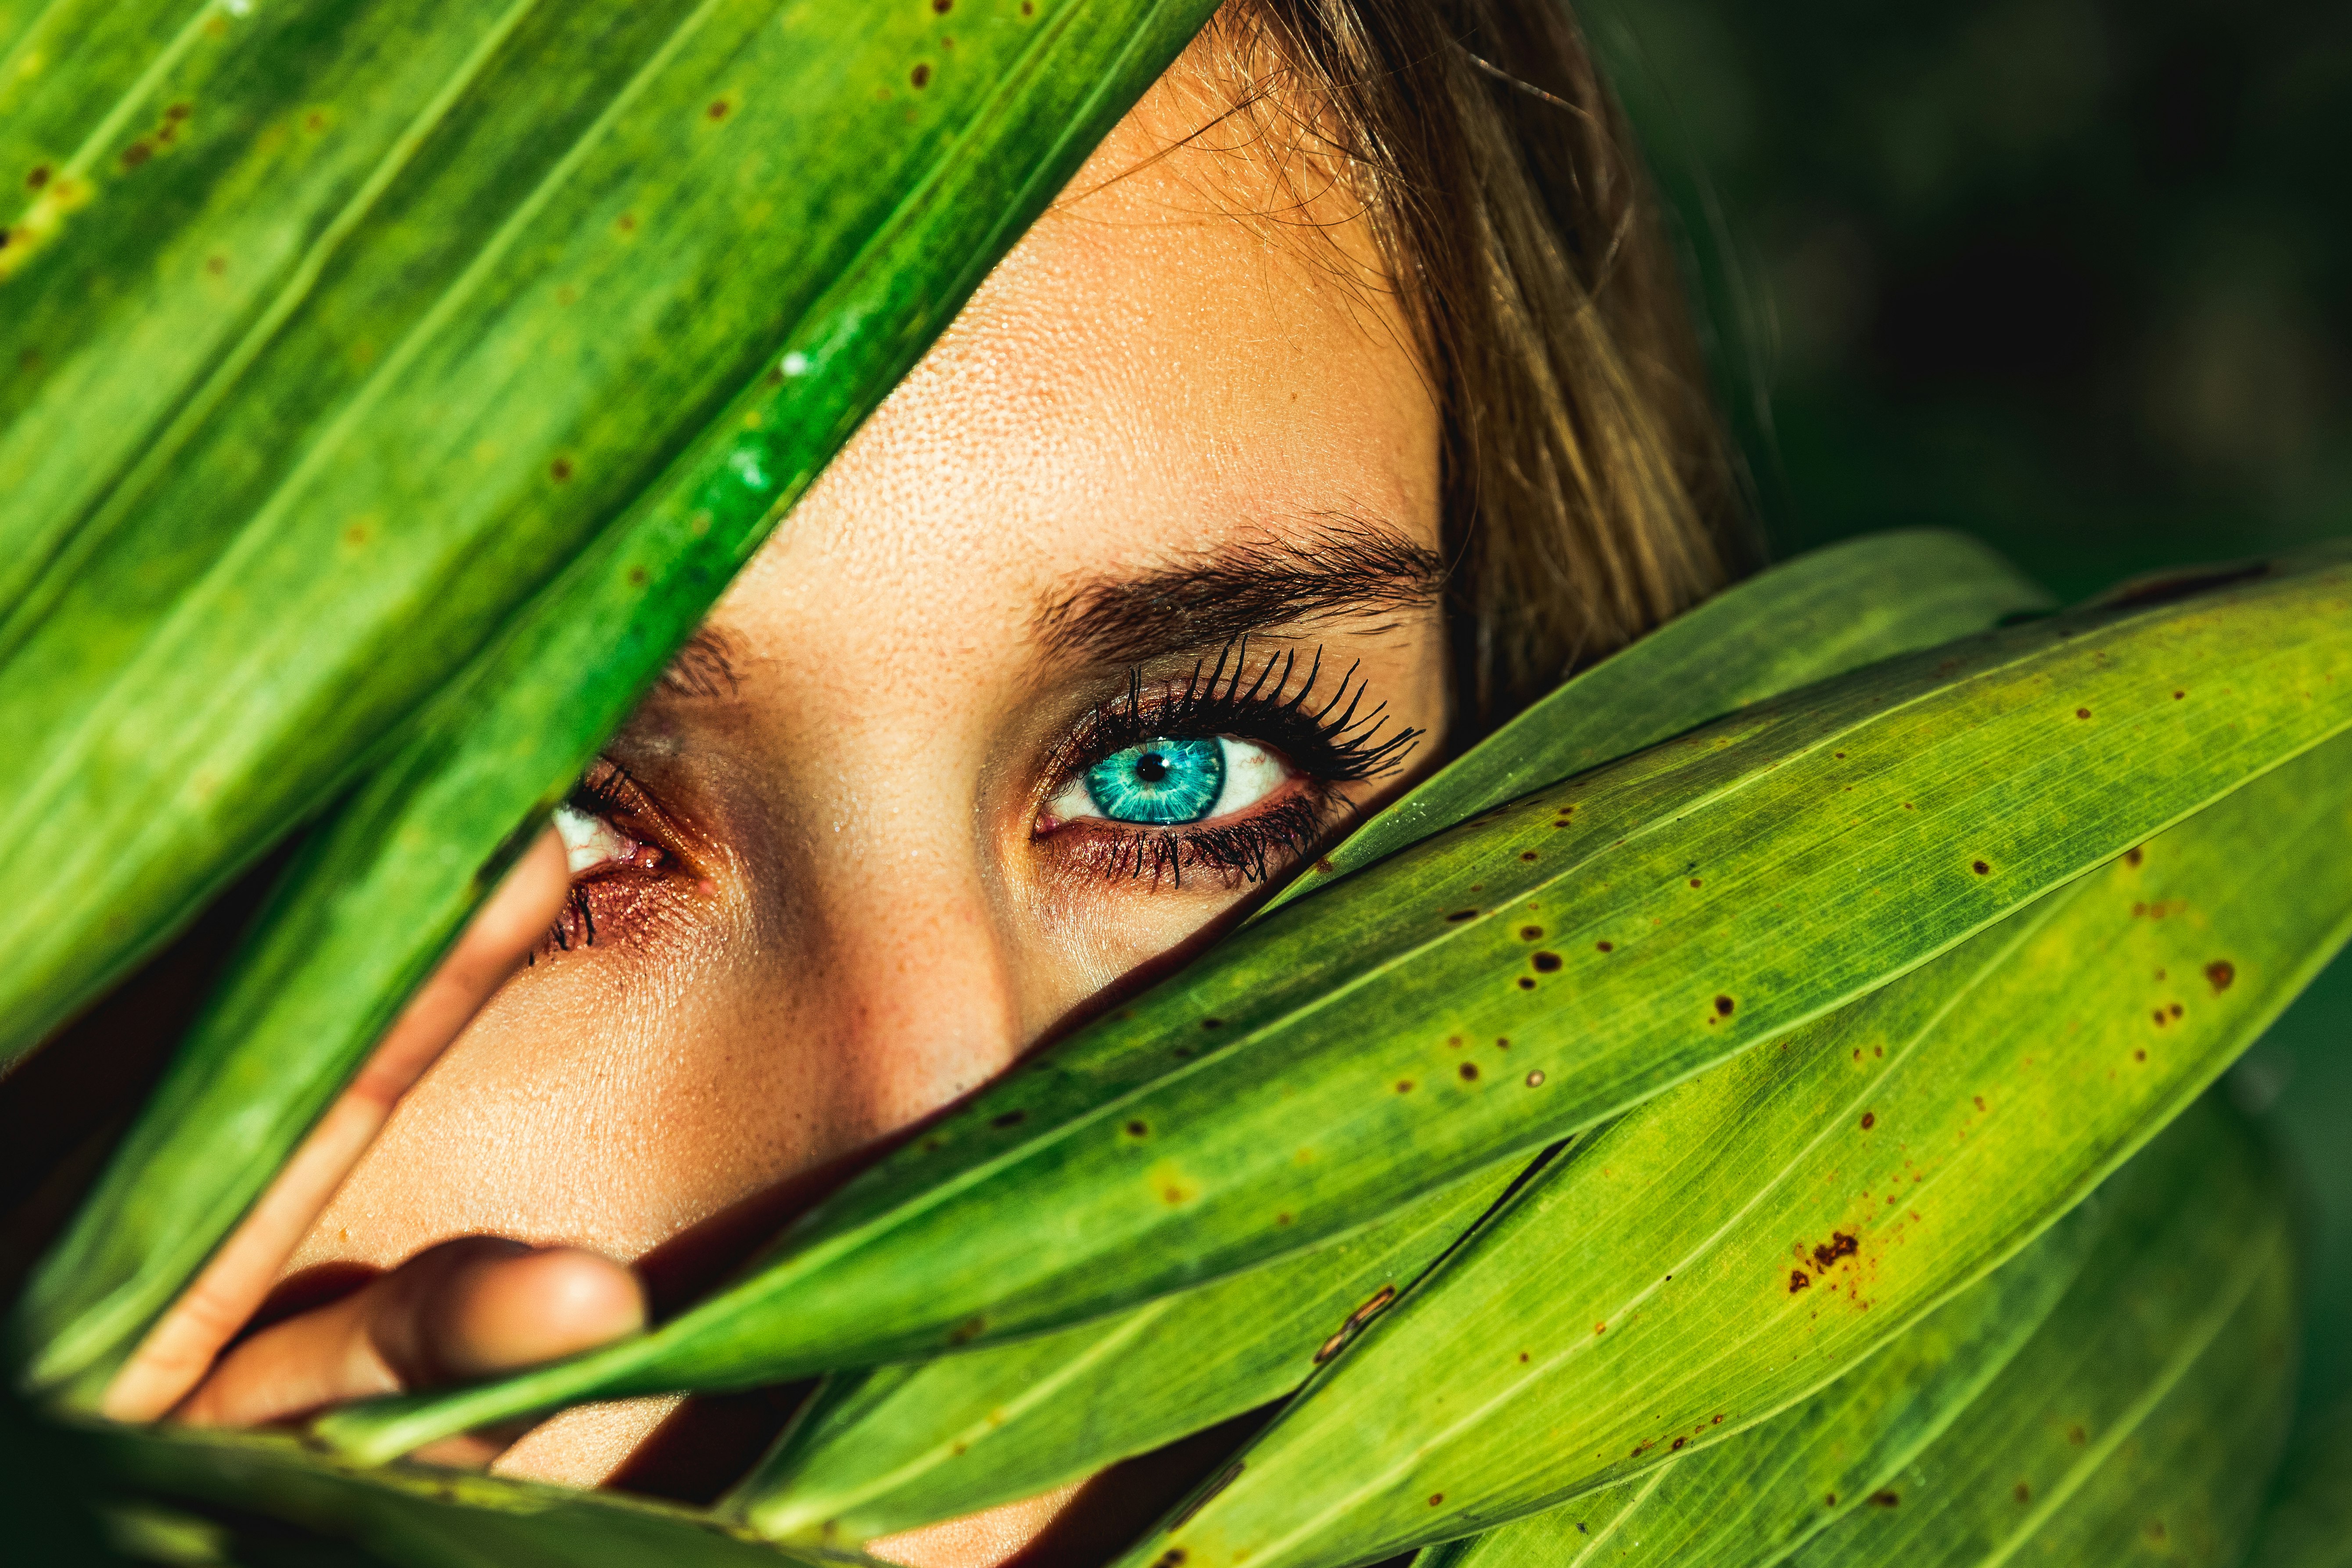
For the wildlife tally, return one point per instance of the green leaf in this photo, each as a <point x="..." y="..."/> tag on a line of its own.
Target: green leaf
<point x="896" y="1447"/>
<point x="1822" y="615"/>
<point x="1752" y="1499"/>
<point x="412" y="307"/>
<point x="1737" y="1243"/>
<point x="2309" y="1521"/>
<point x="1509" y="982"/>
<point x="387" y="883"/>
<point x="908" y="1445"/>
<point x="2196" y="1195"/>
<point x="2144" y="1421"/>
<point x="407" y="1517"/>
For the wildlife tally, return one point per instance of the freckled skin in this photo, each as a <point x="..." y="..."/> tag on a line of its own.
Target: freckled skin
<point x="873" y="930"/>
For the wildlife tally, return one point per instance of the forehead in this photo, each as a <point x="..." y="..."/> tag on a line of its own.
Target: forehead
<point x="1192" y="348"/>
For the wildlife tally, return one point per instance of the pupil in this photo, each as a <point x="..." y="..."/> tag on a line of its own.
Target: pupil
<point x="1151" y="767"/>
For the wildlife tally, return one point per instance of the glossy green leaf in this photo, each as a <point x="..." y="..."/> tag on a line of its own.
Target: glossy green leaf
<point x="1821" y="615"/>
<point x="915" y="1443"/>
<point x="896" y="1447"/>
<point x="403" y="1517"/>
<point x="1735" y="1244"/>
<point x="387" y="883"/>
<point x="1509" y="982"/>
<point x="2308" y="1524"/>
<point x="2195" y="1192"/>
<point x="1750" y="1500"/>
<point x="2143" y="1423"/>
<point x="339" y="331"/>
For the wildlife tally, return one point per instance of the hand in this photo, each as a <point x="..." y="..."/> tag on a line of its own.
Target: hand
<point x="464" y="1309"/>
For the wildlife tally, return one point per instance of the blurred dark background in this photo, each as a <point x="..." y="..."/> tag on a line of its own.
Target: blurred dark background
<point x="2074" y="277"/>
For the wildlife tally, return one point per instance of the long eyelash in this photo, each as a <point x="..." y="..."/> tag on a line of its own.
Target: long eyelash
<point x="1232" y="693"/>
<point x="605" y="790"/>
<point x="1213" y="700"/>
<point x="1246" y="851"/>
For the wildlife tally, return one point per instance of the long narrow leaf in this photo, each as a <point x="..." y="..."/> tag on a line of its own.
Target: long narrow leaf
<point x="1747" y="1502"/>
<point x="541" y="288"/>
<point x="2146" y="1417"/>
<point x="899" y="1446"/>
<point x="404" y="1518"/>
<point x="1509" y="982"/>
<point x="376" y="899"/>
<point x="1819" y="616"/>
<point x="1735" y="1244"/>
<point x="1754" y="1501"/>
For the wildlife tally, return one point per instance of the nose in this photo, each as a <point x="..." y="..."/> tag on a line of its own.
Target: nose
<point x="911" y="967"/>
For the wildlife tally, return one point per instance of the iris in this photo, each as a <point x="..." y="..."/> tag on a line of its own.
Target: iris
<point x="1166" y="779"/>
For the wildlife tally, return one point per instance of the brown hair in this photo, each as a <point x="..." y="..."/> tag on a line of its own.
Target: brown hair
<point x="1588" y="491"/>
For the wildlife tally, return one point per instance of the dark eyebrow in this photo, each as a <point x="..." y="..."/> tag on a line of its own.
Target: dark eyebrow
<point x="704" y="666"/>
<point x="1353" y="566"/>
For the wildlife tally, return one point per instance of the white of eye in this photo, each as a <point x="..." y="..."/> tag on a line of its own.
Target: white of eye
<point x="1252" y="772"/>
<point x="591" y="841"/>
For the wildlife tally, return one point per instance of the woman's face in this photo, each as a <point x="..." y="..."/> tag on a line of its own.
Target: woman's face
<point x="1125" y="600"/>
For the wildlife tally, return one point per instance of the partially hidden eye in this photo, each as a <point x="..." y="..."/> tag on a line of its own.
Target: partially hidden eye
<point x="590" y="842"/>
<point x="1172" y="779"/>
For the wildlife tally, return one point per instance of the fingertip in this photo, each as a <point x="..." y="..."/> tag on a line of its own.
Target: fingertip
<point x="513" y="1312"/>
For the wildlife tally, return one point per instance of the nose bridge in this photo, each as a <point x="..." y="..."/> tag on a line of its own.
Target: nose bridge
<point x="917" y="969"/>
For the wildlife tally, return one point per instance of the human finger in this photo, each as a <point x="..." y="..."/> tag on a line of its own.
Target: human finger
<point x="465" y="1308"/>
<point x="208" y="1314"/>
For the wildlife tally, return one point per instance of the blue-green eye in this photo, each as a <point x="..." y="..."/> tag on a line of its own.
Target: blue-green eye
<point x="1171" y="779"/>
<point x="1165" y="780"/>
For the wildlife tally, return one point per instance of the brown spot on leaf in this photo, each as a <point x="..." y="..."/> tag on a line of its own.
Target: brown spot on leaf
<point x="560" y="470"/>
<point x="2218" y="973"/>
<point x="1723" y="1006"/>
<point x="2139" y="1056"/>
<point x="1138" y="1129"/>
<point x="718" y="109"/>
<point x="1463" y="915"/>
<point x="2134" y="856"/>
<point x="1839" y="1244"/>
<point x="1404" y="1085"/>
<point x="1546" y="962"/>
<point x="37" y="178"/>
<point x="2023" y="1492"/>
<point x="1535" y="1078"/>
<point x="2175" y="1009"/>
<point x="1605" y="947"/>
<point x="2081" y="712"/>
<point x="1436" y="1498"/>
<point x="1883" y="1500"/>
<point x="921" y="77"/>
<point x="1009" y="1119"/>
<point x="1678" y="1443"/>
<point x="1531" y="934"/>
<point x="1694" y="881"/>
<point x="1526" y="984"/>
<point x="1527" y="854"/>
<point x="1983" y="869"/>
<point x="138" y="152"/>
<point x="1797" y="1280"/>
<point x="1469" y="1071"/>
<point x="2077" y="1436"/>
<point x="1869" y="1120"/>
